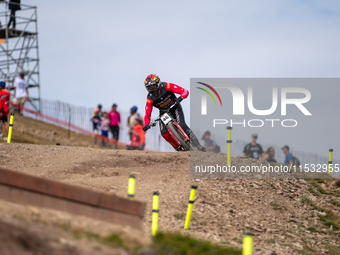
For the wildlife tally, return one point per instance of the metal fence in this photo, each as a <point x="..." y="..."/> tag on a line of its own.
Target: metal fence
<point x="80" y="116"/>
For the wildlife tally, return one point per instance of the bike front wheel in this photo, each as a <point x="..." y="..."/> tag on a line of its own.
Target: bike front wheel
<point x="185" y="144"/>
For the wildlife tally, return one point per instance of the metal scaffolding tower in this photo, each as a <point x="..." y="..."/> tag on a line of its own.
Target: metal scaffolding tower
<point x="19" y="50"/>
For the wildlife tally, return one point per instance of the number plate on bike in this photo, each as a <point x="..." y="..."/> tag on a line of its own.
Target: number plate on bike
<point x="165" y="118"/>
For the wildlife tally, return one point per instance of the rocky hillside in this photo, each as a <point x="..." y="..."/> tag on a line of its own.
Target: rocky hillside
<point x="286" y="216"/>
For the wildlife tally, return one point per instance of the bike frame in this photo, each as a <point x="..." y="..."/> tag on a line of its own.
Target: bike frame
<point x="186" y="137"/>
<point x="180" y="130"/>
<point x="174" y="137"/>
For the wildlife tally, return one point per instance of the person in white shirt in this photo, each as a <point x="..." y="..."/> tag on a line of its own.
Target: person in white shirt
<point x="21" y="91"/>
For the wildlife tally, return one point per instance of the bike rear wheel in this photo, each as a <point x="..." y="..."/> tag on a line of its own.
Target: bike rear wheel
<point x="185" y="144"/>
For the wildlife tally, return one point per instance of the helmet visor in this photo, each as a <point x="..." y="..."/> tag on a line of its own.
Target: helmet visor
<point x="152" y="87"/>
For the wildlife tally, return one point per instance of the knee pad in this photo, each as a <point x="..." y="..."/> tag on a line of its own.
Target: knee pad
<point x="170" y="140"/>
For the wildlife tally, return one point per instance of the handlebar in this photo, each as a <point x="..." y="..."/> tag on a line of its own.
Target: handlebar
<point x="152" y="124"/>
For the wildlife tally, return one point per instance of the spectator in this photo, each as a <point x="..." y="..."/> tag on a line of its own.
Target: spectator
<point x="4" y="108"/>
<point x="269" y="155"/>
<point x="289" y="160"/>
<point x="104" y="127"/>
<point x="130" y="121"/>
<point x="253" y="149"/>
<point x="14" y="6"/>
<point x="96" y="125"/>
<point x="138" y="135"/>
<point x="209" y="144"/>
<point x="115" y="122"/>
<point x="99" y="111"/>
<point x="21" y="91"/>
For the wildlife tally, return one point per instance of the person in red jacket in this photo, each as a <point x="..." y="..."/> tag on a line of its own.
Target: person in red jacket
<point x="4" y="108"/>
<point x="162" y="96"/>
<point x="138" y="136"/>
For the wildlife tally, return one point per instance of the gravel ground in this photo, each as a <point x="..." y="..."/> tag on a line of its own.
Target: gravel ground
<point x="223" y="211"/>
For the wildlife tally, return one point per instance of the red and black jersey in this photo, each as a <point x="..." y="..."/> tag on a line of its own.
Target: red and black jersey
<point x="165" y="98"/>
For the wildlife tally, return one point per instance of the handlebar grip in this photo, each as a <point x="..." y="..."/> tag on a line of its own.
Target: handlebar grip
<point x="145" y="128"/>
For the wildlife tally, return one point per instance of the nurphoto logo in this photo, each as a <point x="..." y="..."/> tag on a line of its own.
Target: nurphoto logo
<point x="238" y="105"/>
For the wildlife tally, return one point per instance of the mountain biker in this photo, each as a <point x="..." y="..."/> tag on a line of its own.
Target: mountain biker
<point x="162" y="96"/>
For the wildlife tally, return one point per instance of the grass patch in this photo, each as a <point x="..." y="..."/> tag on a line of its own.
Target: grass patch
<point x="19" y="216"/>
<point x="224" y="243"/>
<point x="312" y="191"/>
<point x="271" y="240"/>
<point x="330" y="219"/>
<point x="306" y="249"/>
<point x="312" y="229"/>
<point x="175" y="243"/>
<point x="276" y="206"/>
<point x="113" y="240"/>
<point x="304" y="252"/>
<point x="333" y="250"/>
<point x="334" y="202"/>
<point x="305" y="241"/>
<point x="179" y="216"/>
<point x="332" y="233"/>
<point x="307" y="201"/>
<point x="239" y="240"/>
<point x="337" y="184"/>
<point x="315" y="184"/>
<point x="63" y="225"/>
<point x="163" y="244"/>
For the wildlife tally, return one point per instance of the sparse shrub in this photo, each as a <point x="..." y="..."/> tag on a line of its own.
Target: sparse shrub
<point x="337" y="184"/>
<point x="312" y="191"/>
<point x="179" y="215"/>
<point x="271" y="240"/>
<point x="315" y="183"/>
<point x="276" y="206"/>
<point x="335" y="202"/>
<point x="330" y="219"/>
<point x="239" y="240"/>
<point x="175" y="243"/>
<point x="312" y="229"/>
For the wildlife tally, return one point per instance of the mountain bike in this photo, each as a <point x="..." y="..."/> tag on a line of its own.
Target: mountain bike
<point x="174" y="129"/>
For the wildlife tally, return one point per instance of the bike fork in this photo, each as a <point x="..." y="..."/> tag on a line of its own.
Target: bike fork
<point x="182" y="132"/>
<point x="174" y="137"/>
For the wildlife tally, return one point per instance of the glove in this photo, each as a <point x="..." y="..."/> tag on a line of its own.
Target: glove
<point x="178" y="100"/>
<point x="145" y="128"/>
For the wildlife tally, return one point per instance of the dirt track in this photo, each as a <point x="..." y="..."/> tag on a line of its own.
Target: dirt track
<point x="223" y="211"/>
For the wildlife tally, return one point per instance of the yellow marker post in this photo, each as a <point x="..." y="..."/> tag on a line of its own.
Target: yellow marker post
<point x="247" y="244"/>
<point x="229" y="141"/>
<point x="131" y="186"/>
<point x="190" y="206"/>
<point x="9" y="138"/>
<point x="155" y="211"/>
<point x="330" y="162"/>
